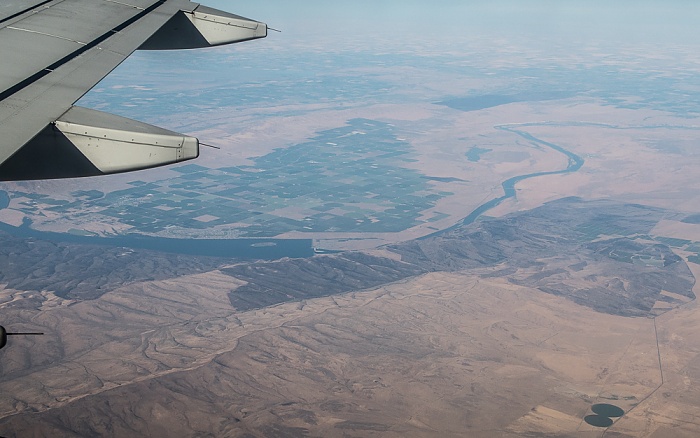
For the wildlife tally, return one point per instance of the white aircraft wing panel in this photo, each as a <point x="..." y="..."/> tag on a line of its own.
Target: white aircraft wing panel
<point x="55" y="51"/>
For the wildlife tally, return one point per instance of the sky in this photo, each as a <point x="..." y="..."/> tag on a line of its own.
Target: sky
<point x="626" y="20"/>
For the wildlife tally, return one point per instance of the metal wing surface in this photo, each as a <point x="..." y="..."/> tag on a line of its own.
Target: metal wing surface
<point x="54" y="51"/>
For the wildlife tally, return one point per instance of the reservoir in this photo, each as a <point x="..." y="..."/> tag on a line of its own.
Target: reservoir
<point x="265" y="249"/>
<point x="4" y="199"/>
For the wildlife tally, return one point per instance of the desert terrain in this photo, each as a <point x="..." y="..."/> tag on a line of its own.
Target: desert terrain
<point x="506" y="327"/>
<point x="439" y="355"/>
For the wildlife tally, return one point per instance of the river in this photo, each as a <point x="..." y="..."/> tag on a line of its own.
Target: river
<point x="263" y="249"/>
<point x="574" y="164"/>
<point x="266" y="249"/>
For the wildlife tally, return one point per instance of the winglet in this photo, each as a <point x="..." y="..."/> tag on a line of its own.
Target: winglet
<point x="204" y="27"/>
<point x="85" y="142"/>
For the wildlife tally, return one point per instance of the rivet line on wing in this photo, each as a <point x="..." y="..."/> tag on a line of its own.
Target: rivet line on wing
<point x="124" y="4"/>
<point x="47" y="34"/>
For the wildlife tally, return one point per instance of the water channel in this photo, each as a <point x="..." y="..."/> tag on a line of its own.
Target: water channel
<point x="267" y="249"/>
<point x="574" y="164"/>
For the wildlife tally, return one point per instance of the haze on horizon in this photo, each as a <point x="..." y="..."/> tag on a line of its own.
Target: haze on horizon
<point x="628" y="21"/>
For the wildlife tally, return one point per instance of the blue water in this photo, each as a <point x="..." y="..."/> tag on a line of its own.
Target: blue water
<point x="4" y="199"/>
<point x="474" y="154"/>
<point x="265" y="249"/>
<point x="575" y="163"/>
<point x="476" y="103"/>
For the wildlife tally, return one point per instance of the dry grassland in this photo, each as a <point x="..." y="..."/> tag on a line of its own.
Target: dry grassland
<point x="439" y="355"/>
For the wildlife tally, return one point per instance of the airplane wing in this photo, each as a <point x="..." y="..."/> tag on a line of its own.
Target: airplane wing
<point x="54" y="51"/>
